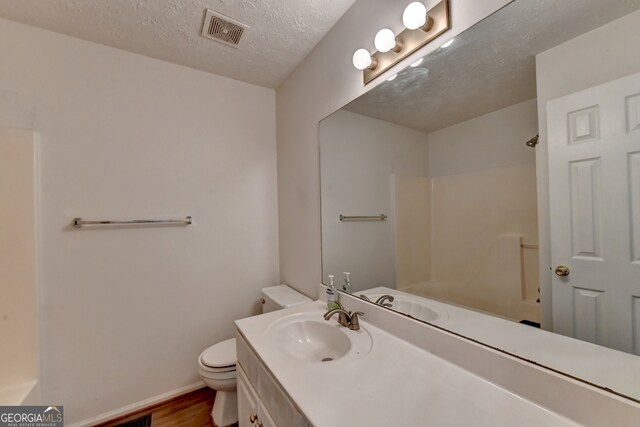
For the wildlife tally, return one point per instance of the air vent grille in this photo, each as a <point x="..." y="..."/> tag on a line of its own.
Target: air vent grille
<point x="222" y="28"/>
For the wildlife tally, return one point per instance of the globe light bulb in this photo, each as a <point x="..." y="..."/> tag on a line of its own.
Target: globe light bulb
<point x="385" y="40"/>
<point x="361" y="59"/>
<point x="392" y="77"/>
<point x="415" y="15"/>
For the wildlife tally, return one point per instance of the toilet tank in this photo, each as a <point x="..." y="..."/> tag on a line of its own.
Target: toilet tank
<point x="281" y="296"/>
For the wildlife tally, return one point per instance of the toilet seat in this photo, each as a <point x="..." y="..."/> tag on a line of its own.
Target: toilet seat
<point x="221" y="376"/>
<point x="220" y="357"/>
<point x="216" y="370"/>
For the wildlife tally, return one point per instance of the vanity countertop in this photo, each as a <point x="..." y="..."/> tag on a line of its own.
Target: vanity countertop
<point x="396" y="383"/>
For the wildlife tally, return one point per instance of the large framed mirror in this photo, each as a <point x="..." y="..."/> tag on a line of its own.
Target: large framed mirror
<point x="492" y="188"/>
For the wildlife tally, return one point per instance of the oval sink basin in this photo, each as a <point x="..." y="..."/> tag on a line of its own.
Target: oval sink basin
<point x="416" y="307"/>
<point x="309" y="338"/>
<point x="313" y="341"/>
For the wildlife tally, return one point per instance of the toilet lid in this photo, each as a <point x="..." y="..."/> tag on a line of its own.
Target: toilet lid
<point x="221" y="355"/>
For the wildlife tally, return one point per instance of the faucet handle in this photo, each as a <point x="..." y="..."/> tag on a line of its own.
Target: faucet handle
<point x="354" y="325"/>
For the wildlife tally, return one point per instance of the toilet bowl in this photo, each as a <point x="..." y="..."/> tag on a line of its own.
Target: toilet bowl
<point x="217" y="368"/>
<point x="217" y="364"/>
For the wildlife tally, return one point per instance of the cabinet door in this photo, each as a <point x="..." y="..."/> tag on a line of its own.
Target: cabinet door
<point x="247" y="401"/>
<point x="264" y="419"/>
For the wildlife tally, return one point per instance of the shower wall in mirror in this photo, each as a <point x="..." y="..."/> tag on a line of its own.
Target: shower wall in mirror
<point x="438" y="169"/>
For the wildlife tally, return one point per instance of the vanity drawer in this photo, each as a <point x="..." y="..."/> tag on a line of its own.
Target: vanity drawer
<point x="276" y="401"/>
<point x="247" y="359"/>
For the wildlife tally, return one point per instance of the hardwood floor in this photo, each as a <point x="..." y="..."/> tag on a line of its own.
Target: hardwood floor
<point x="189" y="410"/>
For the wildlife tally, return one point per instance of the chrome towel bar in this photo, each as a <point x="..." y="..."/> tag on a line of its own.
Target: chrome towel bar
<point x="381" y="217"/>
<point x="79" y="222"/>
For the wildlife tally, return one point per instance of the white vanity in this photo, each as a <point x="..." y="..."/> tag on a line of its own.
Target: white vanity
<point x="261" y="399"/>
<point x="396" y="371"/>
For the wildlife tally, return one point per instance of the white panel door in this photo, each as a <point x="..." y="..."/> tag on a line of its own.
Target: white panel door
<point x="594" y="179"/>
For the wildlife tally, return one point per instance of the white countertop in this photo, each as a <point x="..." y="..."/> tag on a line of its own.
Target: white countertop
<point x="396" y="384"/>
<point x="616" y="370"/>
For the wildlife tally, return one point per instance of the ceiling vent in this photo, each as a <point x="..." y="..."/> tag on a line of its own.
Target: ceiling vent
<point x="222" y="29"/>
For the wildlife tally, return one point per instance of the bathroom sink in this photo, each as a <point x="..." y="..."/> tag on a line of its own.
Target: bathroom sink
<point x="309" y="338"/>
<point x="416" y="307"/>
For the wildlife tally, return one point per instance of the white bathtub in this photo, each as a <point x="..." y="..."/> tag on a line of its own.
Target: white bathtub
<point x="27" y="393"/>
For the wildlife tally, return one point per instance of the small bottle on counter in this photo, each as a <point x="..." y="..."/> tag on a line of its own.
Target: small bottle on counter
<point x="347" y="282"/>
<point x="332" y="294"/>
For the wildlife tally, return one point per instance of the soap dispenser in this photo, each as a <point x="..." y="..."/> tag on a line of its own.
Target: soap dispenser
<point x="347" y="282"/>
<point x="332" y="294"/>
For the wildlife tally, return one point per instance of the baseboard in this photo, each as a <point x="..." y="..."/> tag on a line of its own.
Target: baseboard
<point x="138" y="406"/>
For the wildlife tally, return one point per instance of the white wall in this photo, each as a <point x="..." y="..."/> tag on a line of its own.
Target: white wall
<point x="483" y="187"/>
<point x="322" y="83"/>
<point x="359" y="157"/>
<point x="489" y="141"/>
<point x="412" y="230"/>
<point x="604" y="54"/>
<point x="125" y="312"/>
<point x="18" y="284"/>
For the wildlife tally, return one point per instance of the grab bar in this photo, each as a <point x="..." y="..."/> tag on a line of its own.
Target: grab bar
<point x="79" y="222"/>
<point x="529" y="246"/>
<point x="381" y="217"/>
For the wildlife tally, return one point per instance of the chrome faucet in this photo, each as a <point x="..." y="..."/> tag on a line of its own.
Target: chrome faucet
<point x="382" y="300"/>
<point x="345" y="318"/>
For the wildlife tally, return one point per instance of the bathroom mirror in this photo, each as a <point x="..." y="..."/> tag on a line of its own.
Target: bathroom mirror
<point x="432" y="191"/>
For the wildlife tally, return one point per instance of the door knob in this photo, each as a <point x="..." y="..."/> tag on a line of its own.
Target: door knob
<point x="253" y="418"/>
<point x="562" y="271"/>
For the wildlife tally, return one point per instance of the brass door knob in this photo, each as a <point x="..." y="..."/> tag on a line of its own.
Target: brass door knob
<point x="562" y="271"/>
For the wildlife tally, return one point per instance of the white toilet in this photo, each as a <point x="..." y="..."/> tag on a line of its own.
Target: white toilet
<point x="217" y="364"/>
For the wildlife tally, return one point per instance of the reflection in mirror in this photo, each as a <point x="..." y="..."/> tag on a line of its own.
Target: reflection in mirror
<point x="437" y="170"/>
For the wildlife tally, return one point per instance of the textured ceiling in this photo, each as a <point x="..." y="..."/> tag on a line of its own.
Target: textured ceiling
<point x="281" y="34"/>
<point x="489" y="67"/>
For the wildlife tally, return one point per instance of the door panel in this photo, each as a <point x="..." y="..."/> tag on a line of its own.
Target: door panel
<point x="585" y="207"/>
<point x="588" y="314"/>
<point x="247" y="401"/>
<point x="634" y="196"/>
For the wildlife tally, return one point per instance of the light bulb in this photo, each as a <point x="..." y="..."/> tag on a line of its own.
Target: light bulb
<point x="447" y="44"/>
<point x="385" y="40"/>
<point x="362" y="59"/>
<point x="392" y="77"/>
<point x="414" y="16"/>
<point x="418" y="62"/>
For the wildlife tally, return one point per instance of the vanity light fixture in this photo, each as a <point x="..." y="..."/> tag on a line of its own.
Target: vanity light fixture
<point x="422" y="26"/>
<point x="392" y="77"/>
<point x="417" y="63"/>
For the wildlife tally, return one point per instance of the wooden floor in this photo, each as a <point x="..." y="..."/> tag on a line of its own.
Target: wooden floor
<point x="189" y="410"/>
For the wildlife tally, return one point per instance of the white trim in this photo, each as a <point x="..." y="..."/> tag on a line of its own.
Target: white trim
<point x="138" y="405"/>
